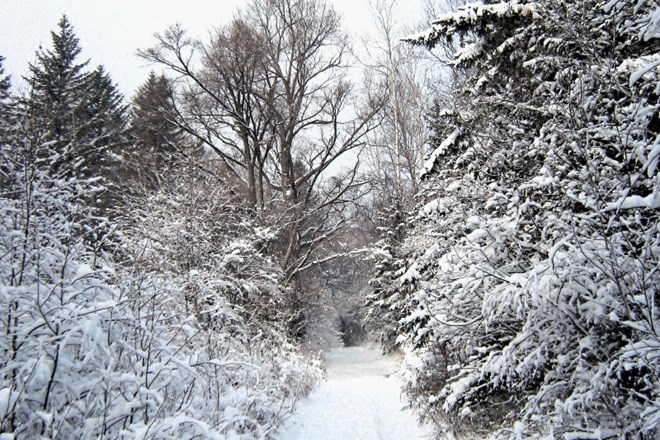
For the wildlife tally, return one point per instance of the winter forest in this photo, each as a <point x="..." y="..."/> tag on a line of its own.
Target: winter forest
<point x="479" y="196"/>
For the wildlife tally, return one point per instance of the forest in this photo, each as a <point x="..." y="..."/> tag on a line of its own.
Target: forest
<point x="480" y="195"/>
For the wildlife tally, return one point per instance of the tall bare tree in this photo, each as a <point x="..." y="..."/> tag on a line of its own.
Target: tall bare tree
<point x="269" y="94"/>
<point x="315" y="116"/>
<point x="395" y="71"/>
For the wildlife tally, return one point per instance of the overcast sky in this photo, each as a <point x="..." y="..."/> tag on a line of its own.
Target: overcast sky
<point x="110" y="31"/>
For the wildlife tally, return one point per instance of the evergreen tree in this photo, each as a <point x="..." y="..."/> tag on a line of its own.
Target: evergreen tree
<point x="82" y="112"/>
<point x="5" y="83"/>
<point x="103" y="119"/>
<point x="103" y="134"/>
<point x="386" y="304"/>
<point x="155" y="135"/>
<point x="153" y="113"/>
<point x="533" y="291"/>
<point x="56" y="83"/>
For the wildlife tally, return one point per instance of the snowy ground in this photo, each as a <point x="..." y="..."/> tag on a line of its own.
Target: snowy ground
<point x="360" y="400"/>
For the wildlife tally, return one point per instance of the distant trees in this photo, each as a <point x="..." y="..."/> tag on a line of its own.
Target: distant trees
<point x="5" y="86"/>
<point x="531" y="287"/>
<point x="152" y="115"/>
<point x="5" y="82"/>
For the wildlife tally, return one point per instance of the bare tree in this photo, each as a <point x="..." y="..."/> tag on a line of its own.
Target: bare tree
<point x="271" y="97"/>
<point x="316" y="118"/>
<point x="233" y="103"/>
<point x="395" y="71"/>
<point x="219" y="102"/>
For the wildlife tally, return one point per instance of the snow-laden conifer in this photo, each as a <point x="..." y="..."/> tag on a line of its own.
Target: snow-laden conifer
<point x="534" y="297"/>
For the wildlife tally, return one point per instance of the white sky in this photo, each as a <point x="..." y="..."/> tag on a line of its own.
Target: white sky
<point x="110" y="31"/>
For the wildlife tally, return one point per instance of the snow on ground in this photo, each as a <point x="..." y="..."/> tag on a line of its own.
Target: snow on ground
<point x="359" y="400"/>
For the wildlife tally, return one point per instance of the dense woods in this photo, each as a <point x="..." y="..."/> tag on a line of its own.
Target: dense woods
<point x="483" y="198"/>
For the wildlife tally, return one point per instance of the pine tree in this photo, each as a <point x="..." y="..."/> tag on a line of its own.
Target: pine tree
<point x="5" y="82"/>
<point x="535" y="284"/>
<point x="56" y="82"/>
<point x="81" y="111"/>
<point x="155" y="135"/>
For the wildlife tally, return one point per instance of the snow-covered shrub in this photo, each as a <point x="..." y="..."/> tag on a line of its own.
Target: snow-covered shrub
<point x="194" y="271"/>
<point x="182" y="378"/>
<point x="56" y="299"/>
<point x="138" y="349"/>
<point x="198" y="232"/>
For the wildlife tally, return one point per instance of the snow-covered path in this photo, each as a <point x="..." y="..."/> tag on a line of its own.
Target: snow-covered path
<point x="360" y="400"/>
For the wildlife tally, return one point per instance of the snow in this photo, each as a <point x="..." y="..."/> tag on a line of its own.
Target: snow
<point x="458" y="389"/>
<point x="7" y="400"/>
<point x="468" y="53"/>
<point x="360" y="399"/>
<point x="644" y="70"/>
<point x="428" y="165"/>
<point x="652" y="201"/>
<point x="432" y="207"/>
<point x="84" y="270"/>
<point x="652" y="162"/>
<point x="651" y="29"/>
<point x="640" y="66"/>
<point x="469" y="14"/>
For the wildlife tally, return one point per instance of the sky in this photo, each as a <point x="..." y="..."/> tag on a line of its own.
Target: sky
<point x="111" y="31"/>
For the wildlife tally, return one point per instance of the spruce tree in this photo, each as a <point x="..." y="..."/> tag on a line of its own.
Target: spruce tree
<point x="534" y="287"/>
<point x="5" y="82"/>
<point x="103" y="120"/>
<point x="5" y="123"/>
<point x="386" y="304"/>
<point x="5" y="85"/>
<point x="152" y="114"/>
<point x="81" y="112"/>
<point x="56" y="83"/>
<point x="154" y="132"/>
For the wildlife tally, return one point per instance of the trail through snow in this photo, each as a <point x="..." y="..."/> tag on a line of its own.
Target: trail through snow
<point x="360" y="400"/>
